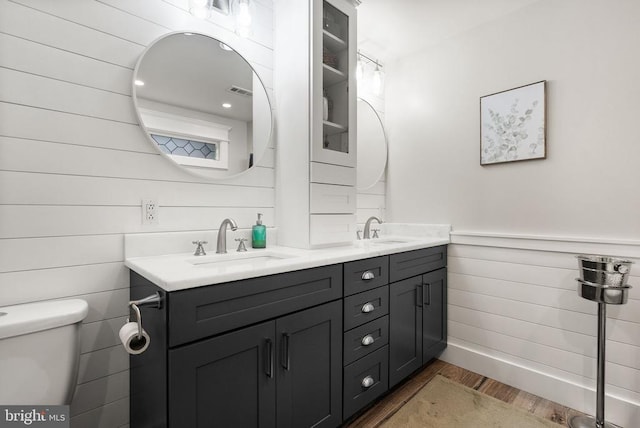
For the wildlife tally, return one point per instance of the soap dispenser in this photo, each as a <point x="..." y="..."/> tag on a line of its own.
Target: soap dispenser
<point x="259" y="234"/>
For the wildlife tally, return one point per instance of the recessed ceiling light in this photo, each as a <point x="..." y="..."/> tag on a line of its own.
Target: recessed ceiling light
<point x="226" y="105"/>
<point x="225" y="47"/>
<point x="138" y="82"/>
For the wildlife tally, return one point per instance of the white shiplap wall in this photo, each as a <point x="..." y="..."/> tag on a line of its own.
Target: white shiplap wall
<point x="515" y="315"/>
<point x="74" y="166"/>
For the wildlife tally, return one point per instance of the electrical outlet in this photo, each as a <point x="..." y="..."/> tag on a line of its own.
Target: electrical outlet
<point x="150" y="211"/>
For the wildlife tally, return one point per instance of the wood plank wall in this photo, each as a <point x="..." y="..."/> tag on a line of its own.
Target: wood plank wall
<point x="517" y="309"/>
<point x="74" y="166"/>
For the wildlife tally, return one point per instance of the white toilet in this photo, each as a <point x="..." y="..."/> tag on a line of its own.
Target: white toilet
<point x="40" y="351"/>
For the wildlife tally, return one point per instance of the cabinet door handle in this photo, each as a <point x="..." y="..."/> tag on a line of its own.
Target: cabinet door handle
<point x="368" y="307"/>
<point x="285" y="351"/>
<point x="269" y="358"/>
<point x="367" y="275"/>
<point x="367" y="382"/>
<point x="426" y="294"/>
<point x="367" y="340"/>
<point x="419" y="295"/>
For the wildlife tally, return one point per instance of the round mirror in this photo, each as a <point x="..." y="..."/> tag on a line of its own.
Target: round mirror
<point x="372" y="146"/>
<point x="202" y="105"/>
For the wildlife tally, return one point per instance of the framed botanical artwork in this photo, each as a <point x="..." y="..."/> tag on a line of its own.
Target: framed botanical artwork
<point x="513" y="125"/>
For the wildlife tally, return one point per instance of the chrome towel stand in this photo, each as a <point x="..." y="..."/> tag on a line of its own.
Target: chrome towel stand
<point x="151" y="301"/>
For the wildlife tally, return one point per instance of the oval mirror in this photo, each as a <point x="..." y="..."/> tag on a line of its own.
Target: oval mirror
<point x="372" y="146"/>
<point x="202" y="105"/>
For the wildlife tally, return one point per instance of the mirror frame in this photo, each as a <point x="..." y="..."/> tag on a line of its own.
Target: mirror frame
<point x="386" y="147"/>
<point x="257" y="158"/>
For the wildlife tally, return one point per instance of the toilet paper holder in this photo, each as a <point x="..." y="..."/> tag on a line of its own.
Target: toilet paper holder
<point x="151" y="301"/>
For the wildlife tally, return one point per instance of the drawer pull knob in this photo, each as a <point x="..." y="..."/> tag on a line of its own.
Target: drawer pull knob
<point x="367" y="340"/>
<point x="367" y="275"/>
<point x="368" y="307"/>
<point x="367" y="382"/>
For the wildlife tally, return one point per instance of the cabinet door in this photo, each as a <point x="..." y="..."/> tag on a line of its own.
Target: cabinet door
<point x="309" y="375"/>
<point x="405" y="328"/>
<point x="333" y="64"/>
<point x="434" y="317"/>
<point x="226" y="381"/>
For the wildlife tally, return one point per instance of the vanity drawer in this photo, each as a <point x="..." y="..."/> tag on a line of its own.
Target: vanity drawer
<point x="365" y="339"/>
<point x="206" y="311"/>
<point x="329" y="229"/>
<point x="412" y="263"/>
<point x="365" y="380"/>
<point x="363" y="275"/>
<point x="331" y="199"/>
<point x="364" y="307"/>
<point x="332" y="174"/>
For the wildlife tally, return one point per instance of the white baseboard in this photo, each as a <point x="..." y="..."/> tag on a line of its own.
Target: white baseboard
<point x="580" y="397"/>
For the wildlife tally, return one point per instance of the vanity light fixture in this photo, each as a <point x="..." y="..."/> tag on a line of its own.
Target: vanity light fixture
<point x="138" y="82"/>
<point x="201" y="9"/>
<point x="242" y="11"/>
<point x="377" y="80"/>
<point x="377" y="77"/>
<point x="226" y="105"/>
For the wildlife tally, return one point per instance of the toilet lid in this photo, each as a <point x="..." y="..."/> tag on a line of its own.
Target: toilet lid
<point x="31" y="317"/>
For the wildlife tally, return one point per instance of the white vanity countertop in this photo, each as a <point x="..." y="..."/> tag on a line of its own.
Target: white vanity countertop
<point x="182" y="271"/>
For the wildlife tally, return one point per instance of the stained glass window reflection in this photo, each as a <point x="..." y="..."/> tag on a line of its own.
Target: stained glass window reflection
<point x="183" y="147"/>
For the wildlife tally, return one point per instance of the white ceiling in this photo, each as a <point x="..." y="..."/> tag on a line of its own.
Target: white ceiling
<point x="389" y="29"/>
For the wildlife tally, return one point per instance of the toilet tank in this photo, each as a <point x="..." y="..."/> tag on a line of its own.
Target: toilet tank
<point x="40" y="351"/>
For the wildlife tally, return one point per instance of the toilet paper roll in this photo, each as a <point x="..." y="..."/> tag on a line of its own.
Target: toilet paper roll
<point x="132" y="343"/>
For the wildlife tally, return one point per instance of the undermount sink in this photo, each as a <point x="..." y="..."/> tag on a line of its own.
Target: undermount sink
<point x="385" y="241"/>
<point x="389" y="241"/>
<point x="245" y="260"/>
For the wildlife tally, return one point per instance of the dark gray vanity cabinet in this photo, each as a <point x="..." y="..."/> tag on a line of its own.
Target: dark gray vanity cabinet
<point x="309" y="369"/>
<point x="281" y="373"/>
<point x="225" y="381"/>
<point x="405" y="353"/>
<point x="366" y="326"/>
<point x="434" y="314"/>
<point x="417" y="310"/>
<point x="298" y="349"/>
<point x="260" y="352"/>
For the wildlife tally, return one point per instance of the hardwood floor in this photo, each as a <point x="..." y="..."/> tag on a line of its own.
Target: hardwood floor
<point x="390" y="404"/>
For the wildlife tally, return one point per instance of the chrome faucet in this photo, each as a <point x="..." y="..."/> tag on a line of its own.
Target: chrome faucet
<point x="221" y="247"/>
<point x="367" y="227"/>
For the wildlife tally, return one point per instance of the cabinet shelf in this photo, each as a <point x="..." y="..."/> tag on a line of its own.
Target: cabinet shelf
<point x="331" y="76"/>
<point x="331" y="128"/>
<point x="333" y="42"/>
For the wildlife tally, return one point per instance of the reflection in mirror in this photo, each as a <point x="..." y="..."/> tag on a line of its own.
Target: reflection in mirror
<point x="202" y="105"/>
<point x="372" y="146"/>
